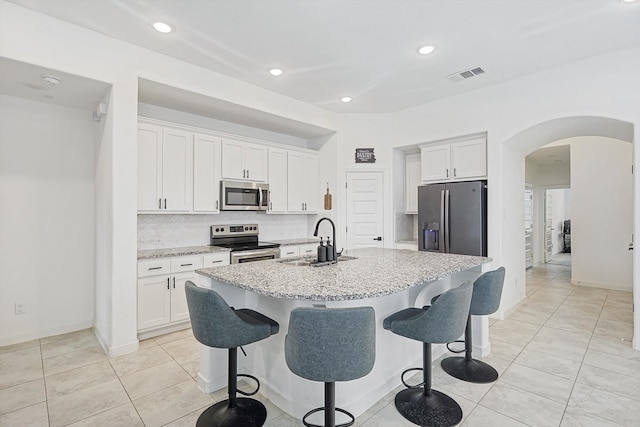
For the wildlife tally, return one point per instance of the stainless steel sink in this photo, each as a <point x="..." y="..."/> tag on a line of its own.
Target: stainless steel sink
<point x="307" y="261"/>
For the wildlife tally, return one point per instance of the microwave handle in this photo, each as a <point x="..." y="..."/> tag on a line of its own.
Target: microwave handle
<point x="260" y="197"/>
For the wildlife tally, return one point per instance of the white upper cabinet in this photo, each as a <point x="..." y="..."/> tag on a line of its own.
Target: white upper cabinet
<point x="302" y="182"/>
<point x="412" y="180"/>
<point x="454" y="161"/>
<point x="164" y="169"/>
<point x="277" y="180"/>
<point x="244" y="161"/>
<point x="206" y="174"/>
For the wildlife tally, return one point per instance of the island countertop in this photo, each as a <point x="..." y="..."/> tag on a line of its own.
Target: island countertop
<point x="374" y="273"/>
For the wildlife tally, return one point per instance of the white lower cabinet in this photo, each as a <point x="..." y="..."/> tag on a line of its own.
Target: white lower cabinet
<point x="305" y="250"/>
<point x="162" y="301"/>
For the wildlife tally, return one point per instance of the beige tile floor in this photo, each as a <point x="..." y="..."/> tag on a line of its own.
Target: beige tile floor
<point x="564" y="359"/>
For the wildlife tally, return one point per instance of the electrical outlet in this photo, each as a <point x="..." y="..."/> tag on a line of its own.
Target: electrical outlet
<point x="19" y="308"/>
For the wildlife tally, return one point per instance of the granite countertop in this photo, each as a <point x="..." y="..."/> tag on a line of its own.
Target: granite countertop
<point x="301" y="241"/>
<point x="171" y="252"/>
<point x="376" y="272"/>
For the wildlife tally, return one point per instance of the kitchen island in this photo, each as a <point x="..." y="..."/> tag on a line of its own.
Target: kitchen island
<point x="386" y="279"/>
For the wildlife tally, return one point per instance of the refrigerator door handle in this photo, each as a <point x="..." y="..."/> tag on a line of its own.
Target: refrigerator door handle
<point x="442" y="231"/>
<point x="447" y="241"/>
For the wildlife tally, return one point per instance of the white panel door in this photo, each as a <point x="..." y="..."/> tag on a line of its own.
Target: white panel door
<point x="154" y="301"/>
<point x="206" y="174"/>
<point x="295" y="182"/>
<point x="469" y="159"/>
<point x="365" y="209"/>
<point x="256" y="162"/>
<point x="311" y="193"/>
<point x="412" y="180"/>
<point x="179" y="308"/>
<point x="177" y="170"/>
<point x="233" y="159"/>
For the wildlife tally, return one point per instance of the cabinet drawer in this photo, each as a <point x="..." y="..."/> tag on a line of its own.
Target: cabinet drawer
<point x="289" y="251"/>
<point x="306" y="250"/>
<point x="186" y="263"/>
<point x="214" y="260"/>
<point x="154" y="267"/>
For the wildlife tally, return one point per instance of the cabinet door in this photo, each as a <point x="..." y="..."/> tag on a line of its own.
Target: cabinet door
<point x="277" y="180"/>
<point x="233" y="159"/>
<point x="179" y="308"/>
<point x="412" y="180"/>
<point x="149" y="167"/>
<point x="309" y="250"/>
<point x="295" y="182"/>
<point x="206" y="174"/>
<point x="469" y="159"/>
<point x="177" y="170"/>
<point x="436" y="162"/>
<point x="154" y="301"/>
<point x="311" y="194"/>
<point x="256" y="162"/>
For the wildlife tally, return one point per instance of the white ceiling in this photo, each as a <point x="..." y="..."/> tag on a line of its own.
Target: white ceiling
<point x="556" y="156"/>
<point x="364" y="48"/>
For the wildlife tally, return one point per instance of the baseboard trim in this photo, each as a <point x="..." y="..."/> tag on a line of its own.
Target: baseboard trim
<point x="503" y="314"/>
<point x="16" y="339"/>
<point x="612" y="286"/>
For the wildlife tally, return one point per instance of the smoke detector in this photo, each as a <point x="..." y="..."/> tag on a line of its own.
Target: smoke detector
<point x="465" y="74"/>
<point x="50" y="80"/>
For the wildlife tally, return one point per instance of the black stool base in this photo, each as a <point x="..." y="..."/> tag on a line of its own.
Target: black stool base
<point x="436" y="410"/>
<point x="246" y="413"/>
<point x="473" y="371"/>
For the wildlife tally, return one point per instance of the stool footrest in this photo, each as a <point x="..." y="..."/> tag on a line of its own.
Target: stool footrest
<point x="473" y="371"/>
<point x="313" y="411"/>
<point x="408" y="385"/>
<point x="251" y="393"/>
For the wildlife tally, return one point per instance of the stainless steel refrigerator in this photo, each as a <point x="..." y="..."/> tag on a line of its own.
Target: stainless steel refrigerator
<point x="452" y="218"/>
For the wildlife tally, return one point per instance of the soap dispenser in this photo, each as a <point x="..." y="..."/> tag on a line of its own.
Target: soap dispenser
<point x="329" y="250"/>
<point x="322" y="251"/>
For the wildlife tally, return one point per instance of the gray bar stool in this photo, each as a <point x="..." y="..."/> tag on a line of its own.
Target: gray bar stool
<point x="329" y="345"/>
<point x="439" y="323"/>
<point x="487" y="291"/>
<point x="217" y="325"/>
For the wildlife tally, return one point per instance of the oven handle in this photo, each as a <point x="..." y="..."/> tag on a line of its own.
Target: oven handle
<point x="235" y="256"/>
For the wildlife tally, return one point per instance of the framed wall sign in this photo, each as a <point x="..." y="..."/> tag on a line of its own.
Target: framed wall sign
<point x="365" y="155"/>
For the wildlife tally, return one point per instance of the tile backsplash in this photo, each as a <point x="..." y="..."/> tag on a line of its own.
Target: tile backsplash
<point x="169" y="231"/>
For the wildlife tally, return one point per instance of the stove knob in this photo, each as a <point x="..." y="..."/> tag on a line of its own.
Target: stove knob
<point x="217" y="229"/>
<point x="246" y="228"/>
<point x="222" y="229"/>
<point x="255" y="228"/>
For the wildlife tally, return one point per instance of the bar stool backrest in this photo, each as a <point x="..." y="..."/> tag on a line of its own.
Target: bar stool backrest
<point x="331" y="344"/>
<point x="217" y="325"/>
<point x="443" y="322"/>
<point x="487" y="291"/>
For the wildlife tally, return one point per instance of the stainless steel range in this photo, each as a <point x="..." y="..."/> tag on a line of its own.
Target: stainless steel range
<point x="242" y="239"/>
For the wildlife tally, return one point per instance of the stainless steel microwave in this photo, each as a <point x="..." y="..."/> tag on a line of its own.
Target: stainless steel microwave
<point x="244" y="196"/>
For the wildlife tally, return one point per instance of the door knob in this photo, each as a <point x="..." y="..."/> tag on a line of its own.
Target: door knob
<point x="379" y="239"/>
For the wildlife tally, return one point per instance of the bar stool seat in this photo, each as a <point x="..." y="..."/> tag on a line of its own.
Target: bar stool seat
<point x="329" y="345"/>
<point x="487" y="292"/>
<point x="441" y="322"/>
<point x="217" y="325"/>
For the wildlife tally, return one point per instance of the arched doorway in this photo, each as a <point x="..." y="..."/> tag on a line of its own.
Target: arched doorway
<point x="534" y="137"/>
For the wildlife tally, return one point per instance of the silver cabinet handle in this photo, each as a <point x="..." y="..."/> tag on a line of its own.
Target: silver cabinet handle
<point x="447" y="173"/>
<point x="168" y="284"/>
<point x="215" y="261"/>
<point x="454" y="172"/>
<point x="217" y="205"/>
<point x="154" y="268"/>
<point x="247" y="173"/>
<point x="174" y="283"/>
<point x="165" y="203"/>
<point x="160" y="203"/>
<point x="185" y="265"/>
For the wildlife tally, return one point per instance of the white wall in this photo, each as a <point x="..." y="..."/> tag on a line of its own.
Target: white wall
<point x="560" y="211"/>
<point x="601" y="202"/>
<point x="46" y="219"/>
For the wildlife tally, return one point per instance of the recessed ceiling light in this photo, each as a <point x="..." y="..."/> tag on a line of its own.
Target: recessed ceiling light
<point x="426" y="50"/>
<point x="628" y="1"/>
<point x="161" y="27"/>
<point x="346" y="99"/>
<point x="277" y="72"/>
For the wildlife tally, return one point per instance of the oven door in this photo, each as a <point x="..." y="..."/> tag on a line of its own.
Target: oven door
<point x="239" y="257"/>
<point x="244" y="196"/>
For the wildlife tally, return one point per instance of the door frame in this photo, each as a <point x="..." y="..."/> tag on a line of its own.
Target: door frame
<point x="387" y="237"/>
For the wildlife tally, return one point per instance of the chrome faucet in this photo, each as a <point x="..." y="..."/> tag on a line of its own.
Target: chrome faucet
<point x="333" y="226"/>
